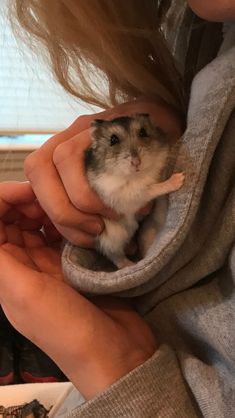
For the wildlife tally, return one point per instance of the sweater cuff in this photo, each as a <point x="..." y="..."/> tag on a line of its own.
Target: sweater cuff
<point x="155" y="388"/>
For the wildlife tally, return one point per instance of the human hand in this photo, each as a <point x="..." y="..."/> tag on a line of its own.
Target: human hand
<point x="102" y="337"/>
<point x="57" y="174"/>
<point x="20" y="208"/>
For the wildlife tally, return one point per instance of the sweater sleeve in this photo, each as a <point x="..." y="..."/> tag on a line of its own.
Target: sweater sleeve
<point x="154" y="389"/>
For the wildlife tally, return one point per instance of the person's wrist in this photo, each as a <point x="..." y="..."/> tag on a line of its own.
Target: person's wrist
<point x="95" y="375"/>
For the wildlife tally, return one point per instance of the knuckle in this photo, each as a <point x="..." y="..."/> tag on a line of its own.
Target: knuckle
<point x="83" y="118"/>
<point x="64" y="151"/>
<point x="65" y="214"/>
<point x="33" y="161"/>
<point x="80" y="241"/>
<point x="77" y="202"/>
<point x="81" y="121"/>
<point x="59" y="215"/>
<point x="82" y="201"/>
<point x="77" y="236"/>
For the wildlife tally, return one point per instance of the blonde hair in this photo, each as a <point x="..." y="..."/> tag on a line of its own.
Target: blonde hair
<point x="103" y="51"/>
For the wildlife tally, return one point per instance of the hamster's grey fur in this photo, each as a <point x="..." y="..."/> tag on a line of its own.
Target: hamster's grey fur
<point x="125" y="166"/>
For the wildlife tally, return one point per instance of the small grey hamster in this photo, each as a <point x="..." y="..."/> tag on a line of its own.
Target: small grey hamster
<point x="125" y="165"/>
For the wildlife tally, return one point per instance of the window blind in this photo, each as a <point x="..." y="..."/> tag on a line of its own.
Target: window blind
<point x="30" y="100"/>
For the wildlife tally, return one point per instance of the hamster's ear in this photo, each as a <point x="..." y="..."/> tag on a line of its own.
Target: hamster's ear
<point x="96" y="122"/>
<point x="146" y="115"/>
<point x="160" y="132"/>
<point x="95" y="130"/>
<point x="161" y="136"/>
<point x="141" y="115"/>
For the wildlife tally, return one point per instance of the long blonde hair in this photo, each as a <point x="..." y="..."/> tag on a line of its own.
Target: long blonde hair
<point x="103" y="51"/>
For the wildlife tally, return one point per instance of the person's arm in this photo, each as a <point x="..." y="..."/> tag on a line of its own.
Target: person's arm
<point x="74" y="331"/>
<point x="154" y="389"/>
<point x="103" y="346"/>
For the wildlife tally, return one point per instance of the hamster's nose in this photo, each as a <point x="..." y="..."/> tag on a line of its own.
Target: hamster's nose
<point x="135" y="159"/>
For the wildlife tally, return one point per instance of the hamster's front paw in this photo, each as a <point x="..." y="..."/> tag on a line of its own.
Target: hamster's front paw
<point x="177" y="181"/>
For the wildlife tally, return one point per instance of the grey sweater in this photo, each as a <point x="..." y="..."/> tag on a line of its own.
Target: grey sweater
<point x="184" y="288"/>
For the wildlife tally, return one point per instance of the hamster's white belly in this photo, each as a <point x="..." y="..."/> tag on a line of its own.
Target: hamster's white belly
<point x="116" y="235"/>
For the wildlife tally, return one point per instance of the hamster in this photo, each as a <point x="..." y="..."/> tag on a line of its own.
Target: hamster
<point x="125" y="165"/>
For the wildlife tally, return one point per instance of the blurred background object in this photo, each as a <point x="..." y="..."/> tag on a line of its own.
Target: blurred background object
<point x="32" y="105"/>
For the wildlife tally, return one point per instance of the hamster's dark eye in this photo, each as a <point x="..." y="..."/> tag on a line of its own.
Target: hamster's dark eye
<point x="114" y="140"/>
<point x="143" y="133"/>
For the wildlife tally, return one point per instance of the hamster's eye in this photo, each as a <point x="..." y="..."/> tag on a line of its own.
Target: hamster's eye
<point x="143" y="133"/>
<point x="114" y="140"/>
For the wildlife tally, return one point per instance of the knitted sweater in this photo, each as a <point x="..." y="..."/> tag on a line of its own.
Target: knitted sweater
<point x="184" y="287"/>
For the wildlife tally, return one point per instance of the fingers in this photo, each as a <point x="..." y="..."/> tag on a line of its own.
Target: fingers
<point x="19" y="254"/>
<point x="46" y="259"/>
<point x="52" y="235"/>
<point x="26" y="224"/>
<point x="31" y="210"/>
<point x="14" y="235"/>
<point x="77" y="237"/>
<point x="41" y="308"/>
<point x="10" y="234"/>
<point x="32" y="239"/>
<point x="69" y="160"/>
<point x="20" y="211"/>
<point x="80" y="124"/>
<point x="54" y="200"/>
<point x="31" y="250"/>
<point x="61" y="186"/>
<point x="14" y="193"/>
<point x="19" y="206"/>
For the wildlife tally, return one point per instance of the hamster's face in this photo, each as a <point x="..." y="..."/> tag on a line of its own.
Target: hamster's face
<point x="126" y="146"/>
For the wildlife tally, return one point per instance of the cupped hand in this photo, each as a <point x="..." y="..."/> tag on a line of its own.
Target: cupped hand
<point x="102" y="337"/>
<point x="57" y="174"/>
<point x="19" y="207"/>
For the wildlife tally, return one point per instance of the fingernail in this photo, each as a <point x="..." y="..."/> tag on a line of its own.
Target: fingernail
<point x="96" y="228"/>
